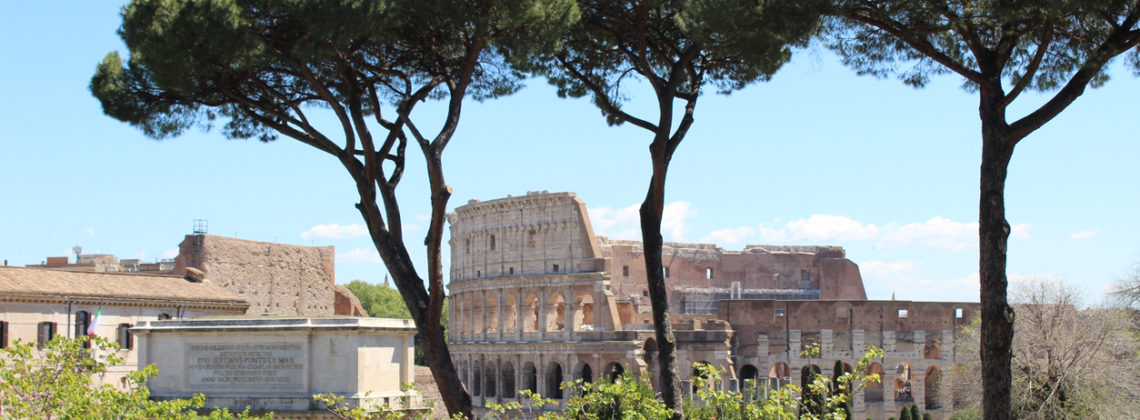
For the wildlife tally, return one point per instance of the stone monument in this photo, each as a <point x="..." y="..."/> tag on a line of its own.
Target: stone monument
<point x="278" y="364"/>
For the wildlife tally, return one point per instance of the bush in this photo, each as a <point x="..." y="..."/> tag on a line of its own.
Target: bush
<point x="60" y="382"/>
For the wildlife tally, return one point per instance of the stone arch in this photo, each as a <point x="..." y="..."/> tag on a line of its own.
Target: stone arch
<point x="510" y="314"/>
<point x="555" y="312"/>
<point x="463" y="375"/>
<point x="585" y="313"/>
<point x="874" y="391"/>
<point x="530" y="313"/>
<point x="492" y="314"/>
<point x="529" y="377"/>
<point x="779" y="375"/>
<point x="749" y="381"/>
<point x="476" y="379"/>
<point x="477" y="315"/>
<point x="958" y="394"/>
<point x="507" y="371"/>
<point x="553" y="381"/>
<point x="489" y="379"/>
<point x="613" y="370"/>
<point x="649" y="357"/>
<point x="584" y="372"/>
<point x="932" y="384"/>
<point x="902" y="383"/>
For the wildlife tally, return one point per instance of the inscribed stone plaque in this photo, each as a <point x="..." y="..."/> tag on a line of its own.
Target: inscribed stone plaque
<point x="273" y="366"/>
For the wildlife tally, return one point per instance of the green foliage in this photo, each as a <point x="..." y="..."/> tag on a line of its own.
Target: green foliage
<point x="380" y="301"/>
<point x="260" y="63"/>
<point x="940" y="36"/>
<point x="914" y="413"/>
<point x="905" y="414"/>
<point x="64" y="381"/>
<point x="681" y="43"/>
<point x="927" y="416"/>
<point x="632" y="398"/>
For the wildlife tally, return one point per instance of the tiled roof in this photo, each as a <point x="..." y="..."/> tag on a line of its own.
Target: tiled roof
<point x="38" y="282"/>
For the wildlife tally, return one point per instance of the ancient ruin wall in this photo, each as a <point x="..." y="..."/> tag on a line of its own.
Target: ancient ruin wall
<point x="539" y="233"/>
<point x="275" y="278"/>
<point x="699" y="275"/>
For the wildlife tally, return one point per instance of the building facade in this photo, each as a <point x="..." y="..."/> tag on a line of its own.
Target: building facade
<point x="38" y="304"/>
<point x="537" y="299"/>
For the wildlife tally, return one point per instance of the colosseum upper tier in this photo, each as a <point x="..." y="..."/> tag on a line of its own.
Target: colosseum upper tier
<point x="537" y="299"/>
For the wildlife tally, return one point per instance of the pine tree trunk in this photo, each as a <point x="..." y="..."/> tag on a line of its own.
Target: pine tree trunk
<point x="993" y="237"/>
<point x="651" y="214"/>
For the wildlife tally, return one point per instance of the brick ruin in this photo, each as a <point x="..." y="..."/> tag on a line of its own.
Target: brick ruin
<point x="274" y="278"/>
<point x="538" y="299"/>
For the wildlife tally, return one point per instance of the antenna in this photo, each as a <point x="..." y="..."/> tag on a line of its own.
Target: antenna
<point x="201" y="226"/>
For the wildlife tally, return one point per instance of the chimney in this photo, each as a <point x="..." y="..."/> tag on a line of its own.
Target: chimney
<point x="194" y="275"/>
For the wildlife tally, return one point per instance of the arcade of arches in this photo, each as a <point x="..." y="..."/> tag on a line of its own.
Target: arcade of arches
<point x="537" y="300"/>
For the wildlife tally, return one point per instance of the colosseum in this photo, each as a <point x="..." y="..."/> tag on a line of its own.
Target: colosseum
<point x="538" y="299"/>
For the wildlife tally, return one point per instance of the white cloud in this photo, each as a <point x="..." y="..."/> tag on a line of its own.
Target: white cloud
<point x="934" y="233"/>
<point x="673" y="220"/>
<point x="1019" y="231"/>
<point x="90" y="231"/>
<point x="625" y="223"/>
<point x="423" y="217"/>
<point x="730" y="236"/>
<point x="820" y="227"/>
<point x="1085" y="234"/>
<point x="358" y="256"/>
<point x="170" y="253"/>
<point x="905" y="281"/>
<point x="334" y="231"/>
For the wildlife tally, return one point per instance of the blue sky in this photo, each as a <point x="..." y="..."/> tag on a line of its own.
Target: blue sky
<point x="816" y="156"/>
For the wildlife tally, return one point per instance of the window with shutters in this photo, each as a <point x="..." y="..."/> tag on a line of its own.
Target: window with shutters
<point x="45" y="332"/>
<point x="126" y="340"/>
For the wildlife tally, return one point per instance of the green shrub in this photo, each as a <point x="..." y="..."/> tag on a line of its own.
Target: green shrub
<point x="61" y="382"/>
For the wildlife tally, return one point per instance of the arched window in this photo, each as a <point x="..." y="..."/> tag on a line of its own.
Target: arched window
<point x="489" y="389"/>
<point x="163" y="316"/>
<point x="530" y="377"/>
<point x="508" y="374"/>
<point x="554" y="380"/>
<point x="749" y="381"/>
<point x="932" y="385"/>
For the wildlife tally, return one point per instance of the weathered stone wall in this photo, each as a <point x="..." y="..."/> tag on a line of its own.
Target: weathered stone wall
<point x="700" y="274"/>
<point x="275" y="278"/>
<point x="539" y="233"/>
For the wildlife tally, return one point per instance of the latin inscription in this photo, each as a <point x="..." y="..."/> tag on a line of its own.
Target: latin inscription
<point x="256" y="366"/>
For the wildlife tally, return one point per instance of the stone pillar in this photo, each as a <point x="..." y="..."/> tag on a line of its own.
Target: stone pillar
<point x="521" y="316"/>
<point x="919" y="345"/>
<point x="918" y="388"/>
<point x="889" y="341"/>
<point x="570" y="314"/>
<point x="794" y="344"/>
<point x="947" y="350"/>
<point x="482" y="333"/>
<point x="499" y="319"/>
<point x="858" y="343"/>
<point x="826" y="343"/>
<point x="542" y="313"/>
<point x="762" y="347"/>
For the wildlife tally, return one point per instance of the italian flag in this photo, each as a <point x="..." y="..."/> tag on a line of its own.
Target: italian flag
<point x="94" y="324"/>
